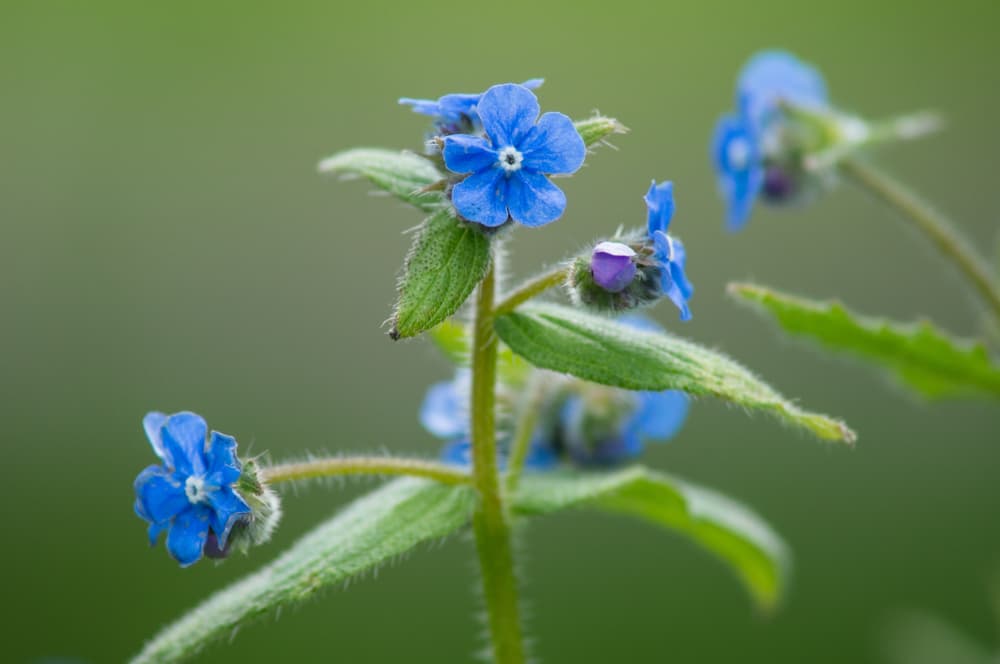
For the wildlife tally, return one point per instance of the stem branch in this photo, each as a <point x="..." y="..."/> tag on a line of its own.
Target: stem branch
<point x="554" y="277"/>
<point x="931" y="223"/>
<point x="334" y="466"/>
<point x="490" y="523"/>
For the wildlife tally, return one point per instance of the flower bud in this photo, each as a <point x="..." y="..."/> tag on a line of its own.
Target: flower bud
<point x="259" y="525"/>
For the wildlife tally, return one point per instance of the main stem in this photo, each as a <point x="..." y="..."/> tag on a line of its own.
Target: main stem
<point x="931" y="223"/>
<point x="490" y="523"/>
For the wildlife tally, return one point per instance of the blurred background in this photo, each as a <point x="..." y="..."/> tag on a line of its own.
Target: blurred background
<point x="166" y="243"/>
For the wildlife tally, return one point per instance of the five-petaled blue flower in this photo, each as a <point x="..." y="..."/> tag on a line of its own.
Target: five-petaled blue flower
<point x="747" y="147"/>
<point x="509" y="167"/>
<point x="667" y="251"/>
<point x="607" y="426"/>
<point x="191" y="493"/>
<point x="456" y="113"/>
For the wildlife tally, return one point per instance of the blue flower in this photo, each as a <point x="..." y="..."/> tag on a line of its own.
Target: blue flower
<point x="508" y="168"/>
<point x="668" y="252"/>
<point x="191" y="493"/>
<point x="456" y="113"/>
<point x="756" y="151"/>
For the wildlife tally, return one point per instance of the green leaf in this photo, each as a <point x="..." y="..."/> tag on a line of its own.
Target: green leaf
<point x="725" y="528"/>
<point x="371" y="531"/>
<point x="597" y="128"/>
<point x="919" y="355"/>
<point x="448" y="259"/>
<point x="603" y="351"/>
<point x="403" y="174"/>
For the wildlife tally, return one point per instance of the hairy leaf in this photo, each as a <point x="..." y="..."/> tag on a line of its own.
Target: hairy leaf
<point x="727" y="529"/>
<point x="403" y="174"/>
<point x="448" y="259"/>
<point x="602" y="351"/>
<point x="372" y="531"/>
<point x="596" y="129"/>
<point x="919" y="355"/>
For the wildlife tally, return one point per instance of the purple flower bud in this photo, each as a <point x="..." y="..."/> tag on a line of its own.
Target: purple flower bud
<point x="778" y="185"/>
<point x="612" y="266"/>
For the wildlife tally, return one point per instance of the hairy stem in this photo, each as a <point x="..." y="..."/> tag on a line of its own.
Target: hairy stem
<point x="333" y="466"/>
<point x="931" y="223"/>
<point x="536" y="286"/>
<point x="521" y="443"/>
<point x="490" y="523"/>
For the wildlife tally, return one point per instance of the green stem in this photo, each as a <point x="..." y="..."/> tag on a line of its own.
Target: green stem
<point x="540" y="284"/>
<point x="931" y="223"/>
<point x="490" y="523"/>
<point x="521" y="443"/>
<point x="331" y="467"/>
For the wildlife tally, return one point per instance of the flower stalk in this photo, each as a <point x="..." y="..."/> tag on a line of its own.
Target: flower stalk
<point x="375" y="465"/>
<point x="554" y="277"/>
<point x="491" y="523"/>
<point x="931" y="223"/>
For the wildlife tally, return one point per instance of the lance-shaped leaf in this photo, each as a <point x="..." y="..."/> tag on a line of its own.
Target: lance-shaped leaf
<point x="403" y="174"/>
<point x="448" y="259"/>
<point x="919" y="355"/>
<point x="725" y="528"/>
<point x="596" y="129"/>
<point x="602" y="351"/>
<point x="373" y="530"/>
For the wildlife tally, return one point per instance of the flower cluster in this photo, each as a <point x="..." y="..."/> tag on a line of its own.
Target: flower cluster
<point x="759" y="151"/>
<point x="200" y="493"/>
<point x="638" y="269"/>
<point x="581" y="423"/>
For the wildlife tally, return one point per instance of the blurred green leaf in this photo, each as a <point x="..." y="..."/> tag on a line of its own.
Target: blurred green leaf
<point x="448" y="259"/>
<point x="373" y="530"/>
<point x="602" y="351"/>
<point x="403" y="174"/>
<point x="727" y="529"/>
<point x="918" y="638"/>
<point x="595" y="129"/>
<point x="452" y="339"/>
<point x="919" y="355"/>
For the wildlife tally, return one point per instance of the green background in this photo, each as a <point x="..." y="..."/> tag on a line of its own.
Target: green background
<point x="165" y="243"/>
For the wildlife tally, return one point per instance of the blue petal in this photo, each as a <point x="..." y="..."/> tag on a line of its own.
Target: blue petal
<point x="533" y="83"/>
<point x="665" y="254"/>
<point x="454" y="106"/>
<point x="422" y="106"/>
<point x="553" y="146"/>
<point x="508" y="112"/>
<point x="184" y="437"/>
<point x="533" y="200"/>
<point x="677" y="266"/>
<point x="152" y="424"/>
<point x="457" y="453"/>
<point x="227" y="508"/>
<point x="659" y="206"/>
<point x="770" y="77"/>
<point x="154" y="530"/>
<point x="639" y="322"/>
<point x="443" y="412"/>
<point x="540" y="457"/>
<point x="737" y="162"/>
<point x="482" y="197"/>
<point x="660" y="415"/>
<point x="159" y="494"/>
<point x="223" y="465"/>
<point x="186" y="539"/>
<point x="468" y="154"/>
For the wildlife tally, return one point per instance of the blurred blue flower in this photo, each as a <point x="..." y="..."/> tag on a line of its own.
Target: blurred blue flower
<point x="757" y="151"/>
<point x="508" y="168"/>
<point x="445" y="414"/>
<point x="191" y="493"/>
<point x="604" y="426"/>
<point x="613" y="266"/>
<point x="456" y="113"/>
<point x="668" y="252"/>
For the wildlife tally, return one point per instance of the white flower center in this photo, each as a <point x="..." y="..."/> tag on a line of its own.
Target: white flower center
<point x="738" y="153"/>
<point x="510" y="159"/>
<point x="194" y="489"/>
